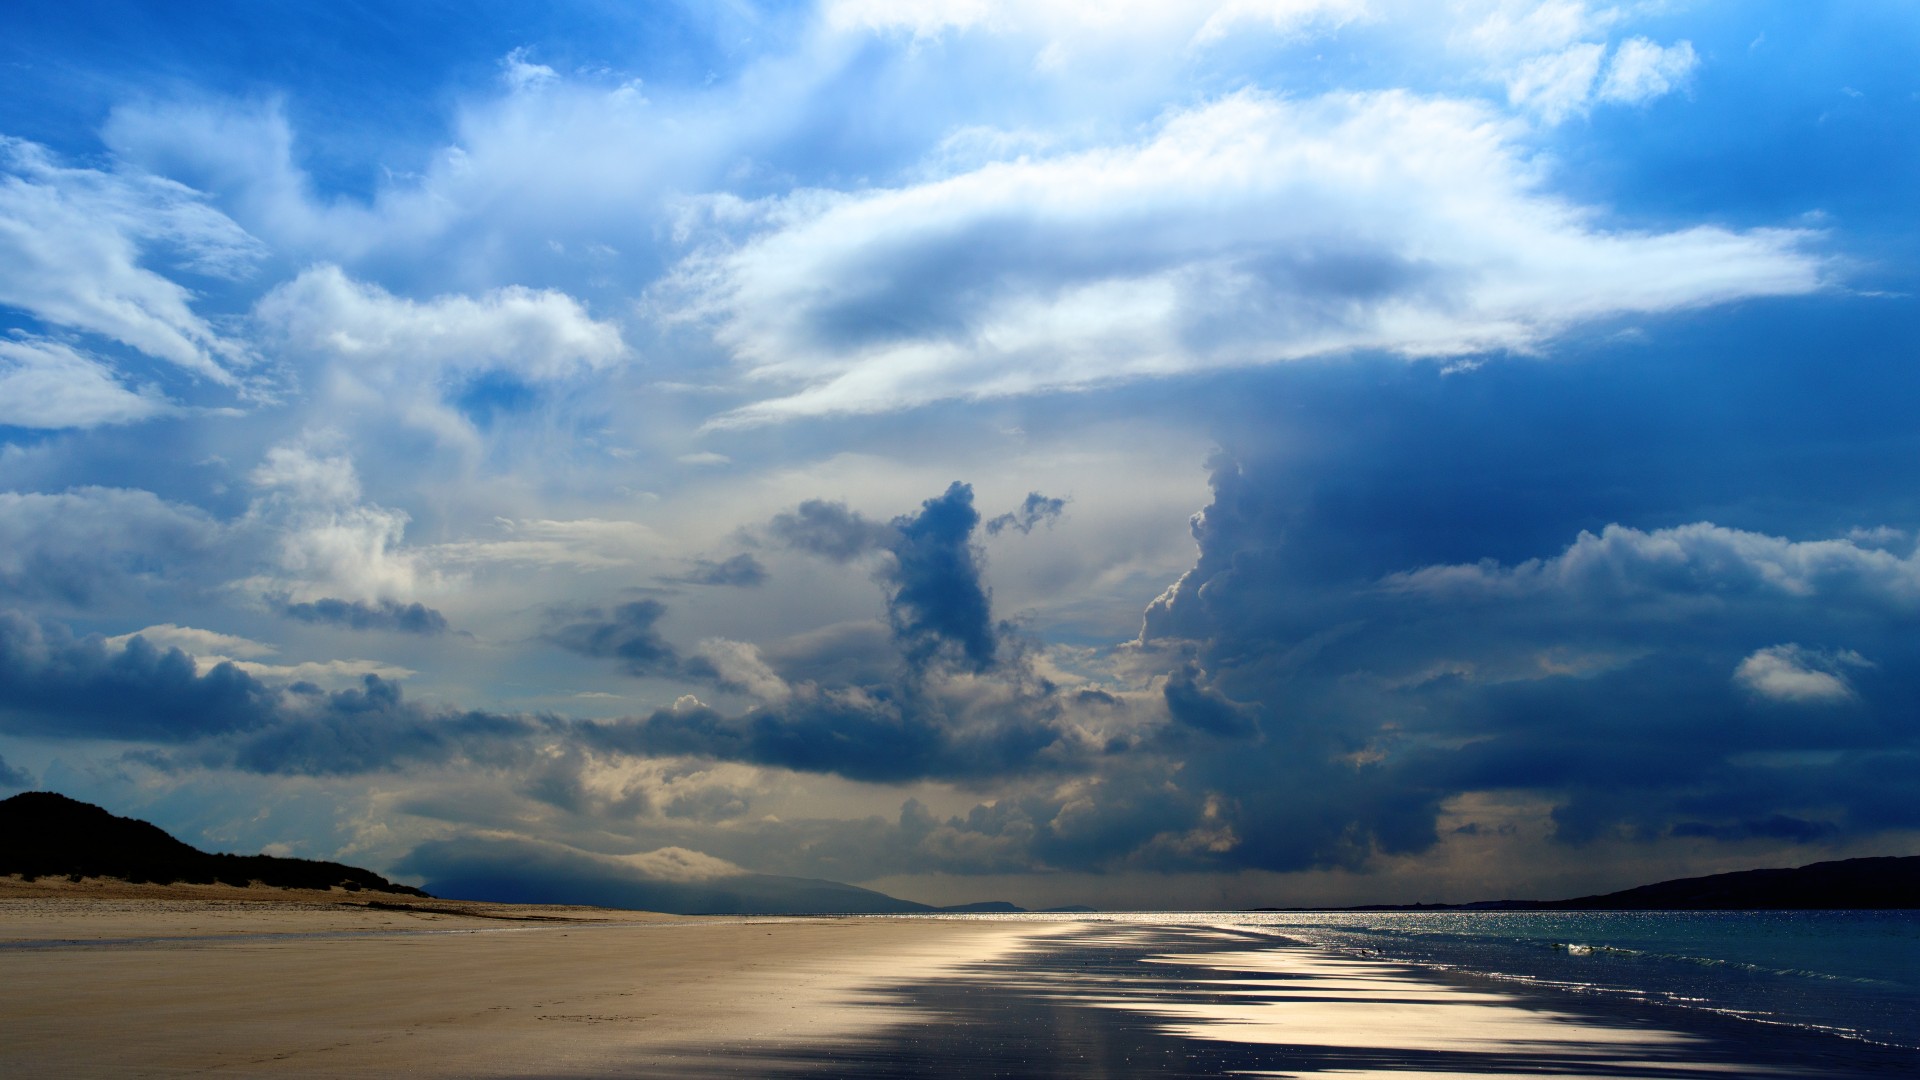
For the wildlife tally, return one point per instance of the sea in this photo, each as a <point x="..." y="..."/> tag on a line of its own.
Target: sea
<point x="1852" y="975"/>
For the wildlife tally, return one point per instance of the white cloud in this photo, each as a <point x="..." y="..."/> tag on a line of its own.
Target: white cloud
<point x="536" y="334"/>
<point x="326" y="541"/>
<point x="1700" y="559"/>
<point x="1063" y="22"/>
<point x="390" y="357"/>
<point x="1790" y="673"/>
<point x="1641" y="71"/>
<point x="197" y="642"/>
<point x="72" y="244"/>
<point x="1556" y="85"/>
<point x="1523" y="28"/>
<point x="738" y="664"/>
<point x="1249" y="230"/>
<point x="45" y="384"/>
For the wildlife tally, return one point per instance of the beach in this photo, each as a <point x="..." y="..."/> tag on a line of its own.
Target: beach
<point x="149" y="981"/>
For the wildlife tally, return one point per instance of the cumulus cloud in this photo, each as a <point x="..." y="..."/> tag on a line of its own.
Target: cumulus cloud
<point x="1248" y="230"/>
<point x="60" y="685"/>
<point x="1625" y="564"/>
<point x="935" y="596"/>
<point x="1791" y="673"/>
<point x="329" y="544"/>
<point x="412" y="358"/>
<point x="45" y="384"/>
<point x="537" y="334"/>
<point x="72" y="247"/>
<point x="11" y="777"/>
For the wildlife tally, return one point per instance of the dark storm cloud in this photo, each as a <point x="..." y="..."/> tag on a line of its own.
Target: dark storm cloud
<point x="625" y="633"/>
<point x="372" y="728"/>
<point x="1037" y="509"/>
<point x="52" y="683"/>
<point x="742" y="570"/>
<point x="938" y="602"/>
<point x="1426" y="590"/>
<point x="879" y="734"/>
<point x="414" y="618"/>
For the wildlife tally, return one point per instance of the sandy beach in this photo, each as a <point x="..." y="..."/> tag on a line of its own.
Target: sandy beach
<point x="208" y="980"/>
<point x="108" y="980"/>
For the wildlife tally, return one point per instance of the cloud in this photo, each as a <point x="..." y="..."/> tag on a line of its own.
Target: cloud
<point x="1626" y="565"/>
<point x="328" y="542"/>
<point x="1035" y="510"/>
<point x="935" y="598"/>
<point x="1641" y="71"/>
<point x="1790" y="673"/>
<point x="1248" y="230"/>
<point x="11" y="777"/>
<point x="197" y="642"/>
<point x="583" y="544"/>
<point x="1556" y="85"/>
<point x="414" y="358"/>
<point x="517" y="870"/>
<point x="92" y="544"/>
<point x="59" y="685"/>
<point x="1065" y="23"/>
<point x="829" y="530"/>
<point x="878" y="734"/>
<point x="742" y="570"/>
<point x="938" y="602"/>
<point x="414" y="618"/>
<point x="625" y="633"/>
<point x="44" y="384"/>
<point x="387" y="340"/>
<point x="72" y="244"/>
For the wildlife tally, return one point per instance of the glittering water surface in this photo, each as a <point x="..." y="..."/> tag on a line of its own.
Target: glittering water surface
<point x="1852" y="974"/>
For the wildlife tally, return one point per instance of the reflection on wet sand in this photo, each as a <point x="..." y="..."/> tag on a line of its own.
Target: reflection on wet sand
<point x="1113" y="999"/>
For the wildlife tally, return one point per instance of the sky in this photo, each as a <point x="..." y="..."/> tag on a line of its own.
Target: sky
<point x="1135" y="454"/>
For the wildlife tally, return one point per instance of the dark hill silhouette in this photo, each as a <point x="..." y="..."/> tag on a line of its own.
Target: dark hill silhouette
<point x="1856" y="884"/>
<point x="44" y="834"/>
<point x="1881" y="883"/>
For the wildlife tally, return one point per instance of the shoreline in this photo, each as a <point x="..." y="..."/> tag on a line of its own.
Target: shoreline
<point x="225" y="981"/>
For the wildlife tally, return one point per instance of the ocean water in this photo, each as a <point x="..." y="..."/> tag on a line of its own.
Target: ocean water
<point x="1854" y="975"/>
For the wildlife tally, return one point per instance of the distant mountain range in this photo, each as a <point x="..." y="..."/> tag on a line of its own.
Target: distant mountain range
<point x="1848" y="884"/>
<point x="43" y="834"/>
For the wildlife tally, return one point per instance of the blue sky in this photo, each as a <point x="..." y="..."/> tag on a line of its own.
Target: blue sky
<point x="1141" y="454"/>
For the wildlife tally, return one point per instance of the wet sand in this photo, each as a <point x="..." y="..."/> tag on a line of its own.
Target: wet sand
<point x="106" y="982"/>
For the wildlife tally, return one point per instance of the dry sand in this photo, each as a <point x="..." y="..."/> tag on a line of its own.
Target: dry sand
<point x="106" y="979"/>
